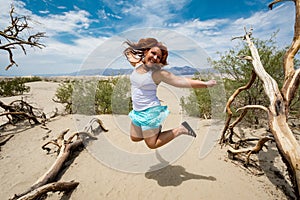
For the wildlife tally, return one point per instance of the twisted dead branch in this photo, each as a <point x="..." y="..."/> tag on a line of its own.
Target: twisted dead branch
<point x="225" y="139"/>
<point x="249" y="151"/>
<point x="12" y="36"/>
<point x="66" y="146"/>
<point x="51" y="187"/>
<point x="20" y="110"/>
<point x="4" y="139"/>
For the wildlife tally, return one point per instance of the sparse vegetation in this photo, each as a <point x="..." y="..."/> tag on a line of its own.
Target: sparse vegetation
<point x="15" y="86"/>
<point x="95" y="96"/>
<point x="198" y="103"/>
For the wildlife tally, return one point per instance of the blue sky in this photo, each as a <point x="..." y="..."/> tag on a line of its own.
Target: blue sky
<point x="84" y="34"/>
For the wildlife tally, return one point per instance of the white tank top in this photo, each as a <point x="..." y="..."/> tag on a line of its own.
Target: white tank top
<point x="143" y="91"/>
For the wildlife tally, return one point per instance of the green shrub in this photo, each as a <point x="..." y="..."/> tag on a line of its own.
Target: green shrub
<point x="95" y="96"/>
<point x="103" y="97"/>
<point x="31" y="79"/>
<point x="198" y="103"/>
<point x="64" y="95"/>
<point x="121" y="97"/>
<point x="15" y="86"/>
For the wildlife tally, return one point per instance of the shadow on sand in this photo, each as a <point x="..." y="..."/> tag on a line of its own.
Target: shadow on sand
<point x="274" y="174"/>
<point x="172" y="175"/>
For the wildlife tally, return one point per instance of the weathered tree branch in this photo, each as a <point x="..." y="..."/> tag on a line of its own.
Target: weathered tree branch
<point x="51" y="187"/>
<point x="24" y="114"/>
<point x="287" y="144"/>
<point x="65" y="148"/>
<point x="229" y="137"/>
<point x="275" y="2"/>
<point x="292" y="77"/>
<point x="20" y="110"/>
<point x="269" y="84"/>
<point x="13" y="38"/>
<point x="4" y="139"/>
<point x="239" y="119"/>
<point x="254" y="150"/>
<point x="229" y="102"/>
<point x="253" y="107"/>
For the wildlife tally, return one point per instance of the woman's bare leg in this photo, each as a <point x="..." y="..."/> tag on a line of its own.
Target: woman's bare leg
<point x="136" y="133"/>
<point x="154" y="138"/>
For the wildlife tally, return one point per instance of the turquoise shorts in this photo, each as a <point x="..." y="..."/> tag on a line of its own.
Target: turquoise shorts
<point x="150" y="118"/>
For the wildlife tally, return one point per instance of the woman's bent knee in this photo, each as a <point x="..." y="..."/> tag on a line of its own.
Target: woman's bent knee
<point x="151" y="145"/>
<point x="136" y="139"/>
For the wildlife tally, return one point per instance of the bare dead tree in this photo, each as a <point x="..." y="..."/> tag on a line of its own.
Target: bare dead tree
<point x="11" y="37"/>
<point x="279" y="102"/>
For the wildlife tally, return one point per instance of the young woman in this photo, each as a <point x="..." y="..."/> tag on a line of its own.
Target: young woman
<point x="148" y="56"/>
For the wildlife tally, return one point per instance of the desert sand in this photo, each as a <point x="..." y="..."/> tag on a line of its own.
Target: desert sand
<point x="121" y="169"/>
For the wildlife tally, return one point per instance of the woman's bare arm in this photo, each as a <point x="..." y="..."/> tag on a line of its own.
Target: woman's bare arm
<point x="181" y="82"/>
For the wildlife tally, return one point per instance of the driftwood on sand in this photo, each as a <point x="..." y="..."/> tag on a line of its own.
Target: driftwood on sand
<point x="50" y="187"/>
<point x="66" y="146"/>
<point x="20" y="110"/>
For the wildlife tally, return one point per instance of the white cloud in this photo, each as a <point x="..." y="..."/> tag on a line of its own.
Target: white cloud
<point x="153" y="13"/>
<point x="44" y="11"/>
<point x="114" y="16"/>
<point x="215" y="35"/>
<point x="70" y="22"/>
<point x="102" y="14"/>
<point x="264" y="24"/>
<point x="61" y="7"/>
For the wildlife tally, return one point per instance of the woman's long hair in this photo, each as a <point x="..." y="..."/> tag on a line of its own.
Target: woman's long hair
<point x="135" y="52"/>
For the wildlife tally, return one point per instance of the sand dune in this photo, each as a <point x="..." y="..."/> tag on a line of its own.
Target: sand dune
<point x="113" y="167"/>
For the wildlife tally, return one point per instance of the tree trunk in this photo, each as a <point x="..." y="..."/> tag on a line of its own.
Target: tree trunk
<point x="286" y="142"/>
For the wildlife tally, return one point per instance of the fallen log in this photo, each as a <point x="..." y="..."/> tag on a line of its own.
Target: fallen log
<point x="51" y="187"/>
<point x="65" y="148"/>
<point x="4" y="139"/>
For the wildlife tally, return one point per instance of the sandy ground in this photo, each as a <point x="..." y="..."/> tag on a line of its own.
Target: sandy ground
<point x="113" y="167"/>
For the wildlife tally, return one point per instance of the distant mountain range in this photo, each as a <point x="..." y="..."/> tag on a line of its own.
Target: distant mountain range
<point x="185" y="70"/>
